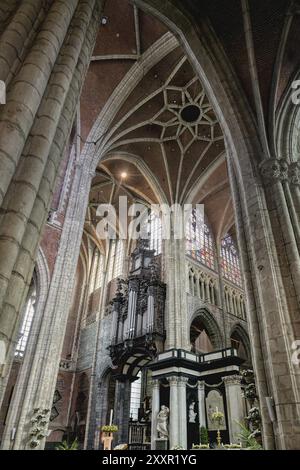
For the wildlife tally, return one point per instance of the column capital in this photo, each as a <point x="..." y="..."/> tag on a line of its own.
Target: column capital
<point x="232" y="380"/>
<point x="278" y="169"/>
<point x="274" y="169"/>
<point x="294" y="173"/>
<point x="173" y="380"/>
<point x="182" y="381"/>
<point x="155" y="383"/>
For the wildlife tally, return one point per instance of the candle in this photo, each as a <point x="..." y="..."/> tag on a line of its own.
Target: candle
<point x="217" y="409"/>
<point x="111" y="417"/>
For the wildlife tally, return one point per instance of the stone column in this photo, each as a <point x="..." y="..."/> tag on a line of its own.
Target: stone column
<point x="16" y="40"/>
<point x="235" y="406"/>
<point x="122" y="411"/>
<point x="155" y="407"/>
<point x="174" y="413"/>
<point x="182" y="415"/>
<point x="177" y="335"/>
<point x="270" y="264"/>
<point x="16" y="264"/>
<point x="201" y="403"/>
<point x="24" y="96"/>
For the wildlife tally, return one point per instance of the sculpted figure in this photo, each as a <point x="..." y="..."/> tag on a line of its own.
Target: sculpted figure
<point x="162" y="422"/>
<point x="192" y="413"/>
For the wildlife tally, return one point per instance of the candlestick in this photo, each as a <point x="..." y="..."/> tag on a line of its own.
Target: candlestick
<point x="111" y="417"/>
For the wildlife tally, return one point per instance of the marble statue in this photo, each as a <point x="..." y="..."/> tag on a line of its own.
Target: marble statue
<point x="192" y="413"/>
<point x="162" y="422"/>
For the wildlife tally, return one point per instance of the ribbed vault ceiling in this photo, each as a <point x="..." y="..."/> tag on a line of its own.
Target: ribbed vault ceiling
<point x="165" y="136"/>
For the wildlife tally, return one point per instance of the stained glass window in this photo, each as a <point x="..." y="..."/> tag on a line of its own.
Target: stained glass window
<point x="199" y="240"/>
<point x="230" y="264"/>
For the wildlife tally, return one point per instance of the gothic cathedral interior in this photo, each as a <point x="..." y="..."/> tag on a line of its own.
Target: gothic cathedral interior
<point x="149" y="224"/>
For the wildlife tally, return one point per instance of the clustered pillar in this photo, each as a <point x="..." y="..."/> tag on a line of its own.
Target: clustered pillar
<point x="35" y="124"/>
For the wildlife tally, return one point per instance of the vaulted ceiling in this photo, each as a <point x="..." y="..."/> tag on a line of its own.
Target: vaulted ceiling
<point x="165" y="136"/>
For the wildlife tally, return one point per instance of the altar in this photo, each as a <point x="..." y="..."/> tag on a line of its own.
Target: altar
<point x="200" y="392"/>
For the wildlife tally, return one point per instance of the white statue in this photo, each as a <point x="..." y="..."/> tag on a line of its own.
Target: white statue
<point x="162" y="422"/>
<point x="192" y="413"/>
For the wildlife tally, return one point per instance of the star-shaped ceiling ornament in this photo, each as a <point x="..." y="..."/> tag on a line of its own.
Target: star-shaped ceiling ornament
<point x="185" y="118"/>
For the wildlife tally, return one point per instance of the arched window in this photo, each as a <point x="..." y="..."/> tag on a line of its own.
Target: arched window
<point x="119" y="259"/>
<point x="27" y="322"/>
<point x="96" y="276"/>
<point x="135" y="397"/>
<point x="152" y="230"/>
<point x="230" y="263"/>
<point x="238" y="344"/>
<point x="199" y="337"/>
<point x="199" y="241"/>
<point x="116" y="261"/>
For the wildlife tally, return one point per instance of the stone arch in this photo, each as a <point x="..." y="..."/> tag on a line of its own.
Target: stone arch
<point x="26" y="379"/>
<point x="240" y="331"/>
<point x="211" y="326"/>
<point x="244" y="148"/>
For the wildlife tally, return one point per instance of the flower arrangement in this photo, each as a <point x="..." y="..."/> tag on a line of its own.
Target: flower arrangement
<point x="248" y="375"/>
<point x="34" y="443"/>
<point x="254" y="417"/>
<point x="177" y="448"/>
<point x="217" y="416"/>
<point x="38" y="430"/>
<point x="109" y="428"/>
<point x="250" y="392"/>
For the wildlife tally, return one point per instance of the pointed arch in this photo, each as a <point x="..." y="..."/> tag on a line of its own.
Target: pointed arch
<point x="239" y="331"/>
<point x="211" y="327"/>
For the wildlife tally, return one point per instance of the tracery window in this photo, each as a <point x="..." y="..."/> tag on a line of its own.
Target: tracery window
<point x="116" y="259"/>
<point x="26" y="325"/>
<point x="135" y="397"/>
<point x="99" y="273"/>
<point x="152" y="230"/>
<point x="119" y="259"/>
<point x="199" y="241"/>
<point x="230" y="264"/>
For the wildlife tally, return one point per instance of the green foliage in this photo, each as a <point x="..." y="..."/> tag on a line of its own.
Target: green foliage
<point x="248" y="440"/>
<point x="203" y="435"/>
<point x="65" y="446"/>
